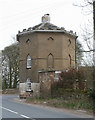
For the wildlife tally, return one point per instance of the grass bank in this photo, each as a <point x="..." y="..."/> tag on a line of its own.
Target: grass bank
<point x="75" y="103"/>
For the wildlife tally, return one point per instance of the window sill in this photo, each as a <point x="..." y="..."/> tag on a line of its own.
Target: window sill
<point x="28" y="68"/>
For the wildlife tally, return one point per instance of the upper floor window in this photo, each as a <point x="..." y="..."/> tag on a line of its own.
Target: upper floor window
<point x="50" y="38"/>
<point x="69" y="43"/>
<point x="70" y="59"/>
<point x="28" y="61"/>
<point x="50" y="61"/>
<point x="28" y="40"/>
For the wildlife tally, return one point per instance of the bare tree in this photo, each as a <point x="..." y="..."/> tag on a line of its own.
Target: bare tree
<point x="10" y="68"/>
<point x="86" y="6"/>
<point x="87" y="30"/>
<point x="88" y="37"/>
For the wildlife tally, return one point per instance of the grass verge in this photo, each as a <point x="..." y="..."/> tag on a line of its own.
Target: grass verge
<point x="83" y="103"/>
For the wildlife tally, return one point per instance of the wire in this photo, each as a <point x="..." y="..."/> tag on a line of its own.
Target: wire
<point x="34" y="16"/>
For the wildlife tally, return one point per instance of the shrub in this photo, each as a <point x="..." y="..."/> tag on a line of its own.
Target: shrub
<point x="67" y="80"/>
<point x="91" y="93"/>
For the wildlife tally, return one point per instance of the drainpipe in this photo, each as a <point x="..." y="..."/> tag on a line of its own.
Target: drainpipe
<point x="94" y="32"/>
<point x="76" y="66"/>
<point x="94" y="50"/>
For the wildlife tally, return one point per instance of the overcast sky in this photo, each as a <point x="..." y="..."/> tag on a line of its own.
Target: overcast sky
<point x="17" y="15"/>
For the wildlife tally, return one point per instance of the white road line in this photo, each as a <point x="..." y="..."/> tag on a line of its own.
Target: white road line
<point x="9" y="110"/>
<point x="24" y="116"/>
<point x="14" y="112"/>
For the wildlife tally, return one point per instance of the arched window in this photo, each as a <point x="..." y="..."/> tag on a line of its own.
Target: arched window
<point x="69" y="43"/>
<point x="28" y="61"/>
<point x="70" y="59"/>
<point x="50" y="61"/>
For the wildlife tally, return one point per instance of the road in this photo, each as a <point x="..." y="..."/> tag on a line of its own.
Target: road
<point x="14" y="109"/>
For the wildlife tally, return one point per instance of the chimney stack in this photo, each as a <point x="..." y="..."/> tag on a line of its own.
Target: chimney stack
<point x="46" y="18"/>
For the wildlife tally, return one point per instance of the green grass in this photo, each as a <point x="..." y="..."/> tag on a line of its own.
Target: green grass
<point x="69" y="103"/>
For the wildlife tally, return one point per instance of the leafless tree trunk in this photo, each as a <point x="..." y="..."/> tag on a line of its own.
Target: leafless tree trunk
<point x="87" y="31"/>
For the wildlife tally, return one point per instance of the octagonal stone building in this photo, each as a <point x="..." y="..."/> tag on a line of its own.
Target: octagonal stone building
<point x="45" y="47"/>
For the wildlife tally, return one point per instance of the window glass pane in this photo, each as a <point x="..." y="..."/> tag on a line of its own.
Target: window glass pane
<point x="28" y="85"/>
<point x="28" y="61"/>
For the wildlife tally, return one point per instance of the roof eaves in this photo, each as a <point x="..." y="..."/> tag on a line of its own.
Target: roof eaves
<point x="58" y="31"/>
<point x="32" y="31"/>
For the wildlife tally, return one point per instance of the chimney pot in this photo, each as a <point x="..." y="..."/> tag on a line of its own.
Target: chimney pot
<point x="46" y="18"/>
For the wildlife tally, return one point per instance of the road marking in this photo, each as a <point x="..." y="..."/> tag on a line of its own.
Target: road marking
<point x="24" y="116"/>
<point x="14" y="112"/>
<point x="9" y="110"/>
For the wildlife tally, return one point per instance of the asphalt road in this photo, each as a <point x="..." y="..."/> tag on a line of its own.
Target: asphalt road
<point x="14" y="109"/>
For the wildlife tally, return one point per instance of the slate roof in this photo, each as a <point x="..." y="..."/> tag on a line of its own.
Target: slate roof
<point x="46" y="26"/>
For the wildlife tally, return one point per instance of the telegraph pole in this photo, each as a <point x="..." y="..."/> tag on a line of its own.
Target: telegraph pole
<point x="94" y="40"/>
<point x="94" y="32"/>
<point x="94" y="53"/>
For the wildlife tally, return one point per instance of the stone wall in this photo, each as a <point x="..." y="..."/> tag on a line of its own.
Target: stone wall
<point x="28" y="48"/>
<point x="46" y="79"/>
<point x="39" y="45"/>
<point x="35" y="87"/>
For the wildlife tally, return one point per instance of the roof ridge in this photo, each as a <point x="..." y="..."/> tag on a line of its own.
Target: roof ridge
<point x="41" y="25"/>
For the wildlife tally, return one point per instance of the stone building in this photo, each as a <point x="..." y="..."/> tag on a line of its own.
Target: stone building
<point x="45" y="47"/>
